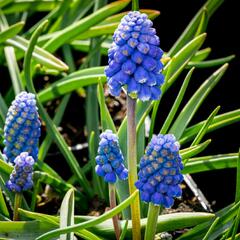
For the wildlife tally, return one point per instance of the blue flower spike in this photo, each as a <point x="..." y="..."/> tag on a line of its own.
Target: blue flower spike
<point x="160" y="171"/>
<point x="110" y="159"/>
<point x="22" y="127"/>
<point x="135" y="58"/>
<point x="21" y="177"/>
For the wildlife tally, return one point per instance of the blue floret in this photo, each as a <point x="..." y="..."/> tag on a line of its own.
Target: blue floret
<point x="160" y="171"/>
<point x="22" y="127"/>
<point x="21" y="177"/>
<point x="110" y="159"/>
<point x="134" y="58"/>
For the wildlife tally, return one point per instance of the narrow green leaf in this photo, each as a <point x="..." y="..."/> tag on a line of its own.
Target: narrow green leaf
<point x="72" y="31"/>
<point x="43" y="149"/>
<point x="11" y="61"/>
<point x="210" y="6"/>
<point x="209" y="163"/>
<point x="39" y="54"/>
<point x="67" y="214"/>
<point x="218" y="122"/>
<point x="83" y="46"/>
<point x="194" y="150"/>
<point x="237" y="194"/>
<point x="182" y="58"/>
<point x="195" y="102"/>
<point x="69" y="84"/>
<point x="92" y="222"/>
<point x="176" y="104"/>
<point x="204" y="128"/>
<point x="201" y="55"/>
<point x="4" y="3"/>
<point x="54" y="220"/>
<point x="236" y="225"/>
<point x="124" y="231"/>
<point x="24" y="230"/>
<point x="3" y="206"/>
<point x="211" y="63"/>
<point x="203" y="23"/>
<point x="56" y="12"/>
<point x="106" y="119"/>
<point x="212" y="227"/>
<point x="3" y="111"/>
<point x="226" y="216"/>
<point x="73" y="163"/>
<point x="11" y="31"/>
<point x="25" y="5"/>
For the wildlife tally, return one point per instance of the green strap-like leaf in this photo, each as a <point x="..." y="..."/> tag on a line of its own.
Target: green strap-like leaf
<point x="72" y="31"/>
<point x="190" y="31"/>
<point x="201" y="55"/>
<point x="195" y="102"/>
<point x="176" y="104"/>
<point x="23" y="230"/>
<point x="194" y="150"/>
<point x="39" y="54"/>
<point x="106" y="119"/>
<point x="226" y="217"/>
<point x="25" y="5"/>
<point x="211" y="63"/>
<point x="218" y="122"/>
<point x="208" y="163"/>
<point x="67" y="214"/>
<point x="11" y="31"/>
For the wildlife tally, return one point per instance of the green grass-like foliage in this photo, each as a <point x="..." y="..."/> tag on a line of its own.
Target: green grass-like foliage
<point x="49" y="47"/>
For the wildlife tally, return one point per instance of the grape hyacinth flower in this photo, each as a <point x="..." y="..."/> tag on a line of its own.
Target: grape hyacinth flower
<point x="134" y="58"/>
<point x="160" y="171"/>
<point x="21" y="177"/>
<point x="22" y="127"/>
<point x="110" y="159"/>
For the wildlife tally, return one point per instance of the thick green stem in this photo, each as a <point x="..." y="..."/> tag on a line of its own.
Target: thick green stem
<point x="153" y="212"/>
<point x="132" y="166"/>
<point x="112" y="201"/>
<point x="135" y="5"/>
<point x="17" y="204"/>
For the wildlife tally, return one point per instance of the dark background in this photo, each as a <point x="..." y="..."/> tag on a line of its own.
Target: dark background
<point x="223" y="38"/>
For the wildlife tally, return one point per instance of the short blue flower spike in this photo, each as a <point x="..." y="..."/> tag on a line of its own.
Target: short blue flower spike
<point x="160" y="171"/>
<point x="21" y="177"/>
<point x="134" y="58"/>
<point x="22" y="127"/>
<point x="110" y="159"/>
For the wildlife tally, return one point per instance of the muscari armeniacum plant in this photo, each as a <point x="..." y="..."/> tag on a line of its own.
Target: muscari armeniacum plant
<point x="21" y="137"/>
<point x="110" y="166"/>
<point x="135" y="64"/>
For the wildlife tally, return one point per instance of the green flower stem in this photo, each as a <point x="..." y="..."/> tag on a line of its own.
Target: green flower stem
<point x="153" y="212"/>
<point x="17" y="204"/>
<point x="132" y="166"/>
<point x="135" y="5"/>
<point x="112" y="201"/>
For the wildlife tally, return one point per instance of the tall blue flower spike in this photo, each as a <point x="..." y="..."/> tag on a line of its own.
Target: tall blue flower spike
<point x="110" y="159"/>
<point x="21" y="177"/>
<point x="22" y="127"/>
<point x="160" y="171"/>
<point x="134" y="58"/>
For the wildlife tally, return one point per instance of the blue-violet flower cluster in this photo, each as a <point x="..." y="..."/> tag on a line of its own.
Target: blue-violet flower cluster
<point x="134" y="58"/>
<point x="21" y="177"/>
<point x="22" y="127"/>
<point x="160" y="171"/>
<point x="110" y="159"/>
